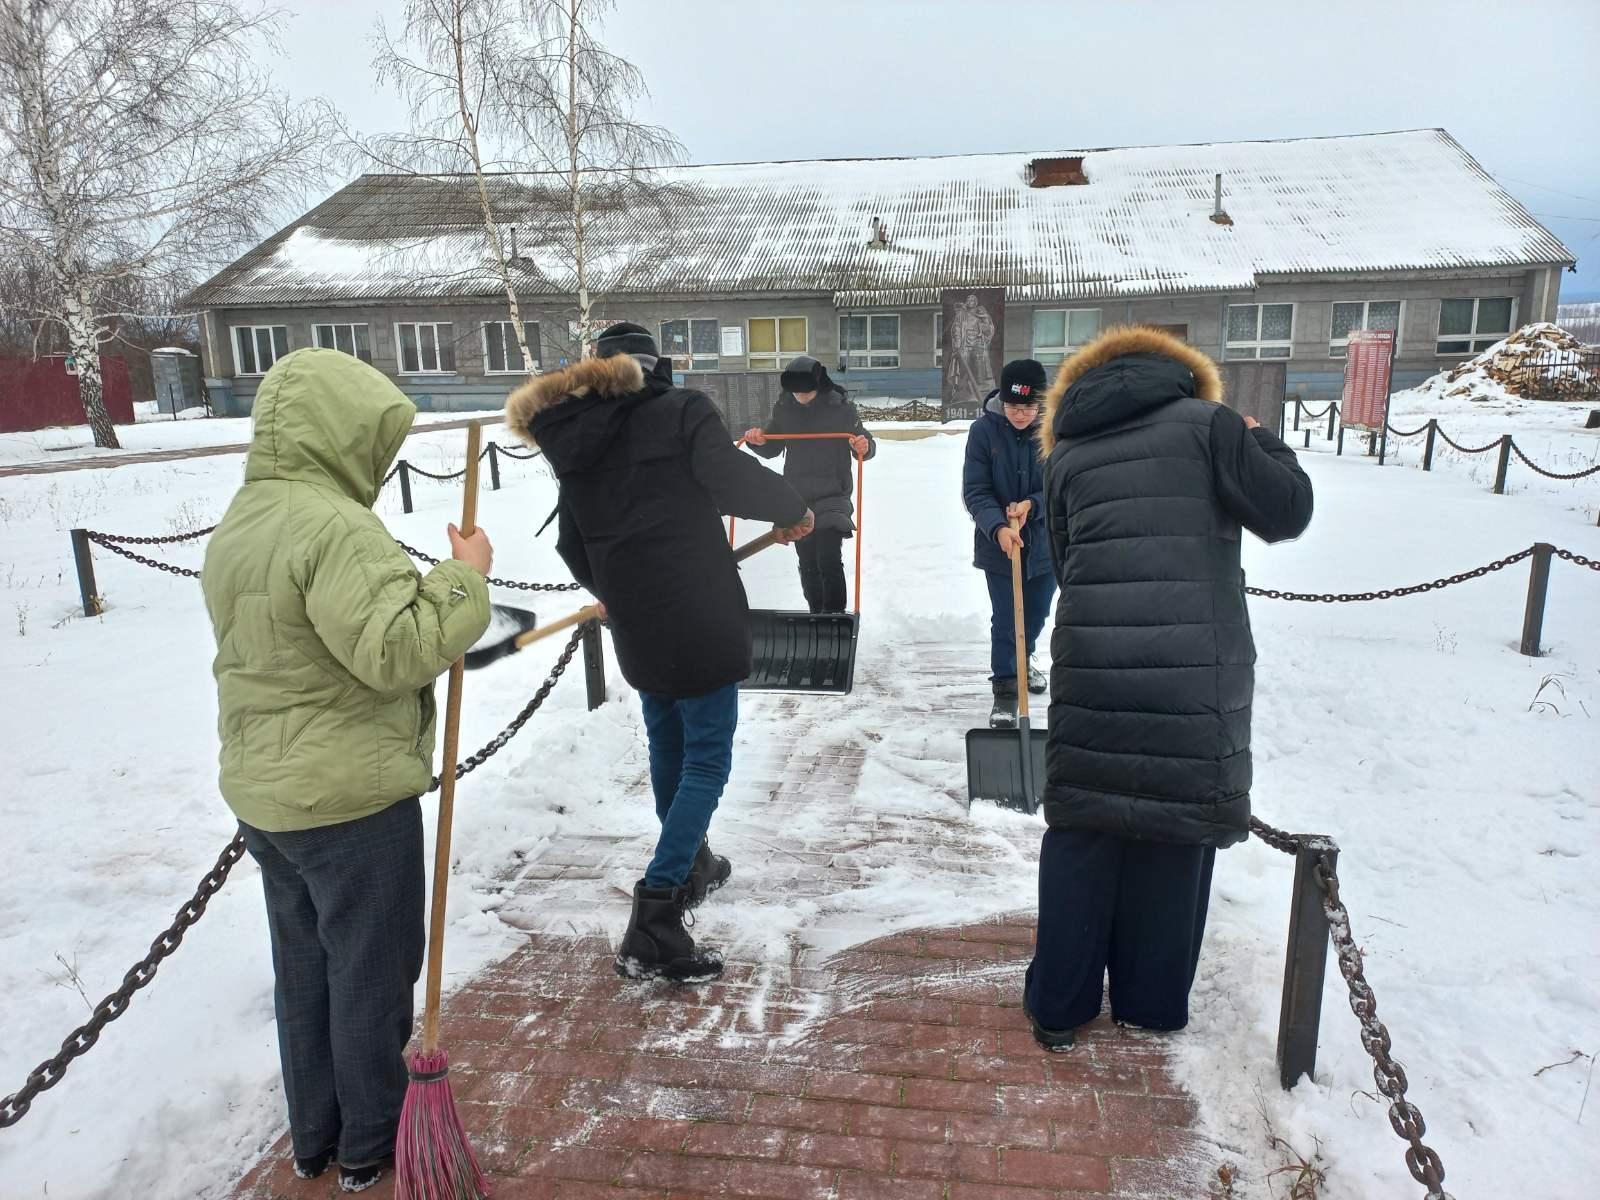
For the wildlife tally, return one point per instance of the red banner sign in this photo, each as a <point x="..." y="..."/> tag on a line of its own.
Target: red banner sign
<point x="1369" y="361"/>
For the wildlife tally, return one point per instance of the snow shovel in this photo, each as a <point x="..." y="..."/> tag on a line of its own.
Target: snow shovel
<point x="807" y="652"/>
<point x="512" y="629"/>
<point x="1006" y="766"/>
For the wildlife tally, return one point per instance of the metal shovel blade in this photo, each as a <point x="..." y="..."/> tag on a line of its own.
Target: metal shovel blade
<point x="998" y="771"/>
<point x="802" y="652"/>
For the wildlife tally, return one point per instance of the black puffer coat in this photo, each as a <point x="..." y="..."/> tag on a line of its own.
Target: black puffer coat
<point x="645" y="469"/>
<point x="819" y="470"/>
<point x="1148" y="481"/>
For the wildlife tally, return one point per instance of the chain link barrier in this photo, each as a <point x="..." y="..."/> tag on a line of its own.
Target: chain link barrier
<point x="152" y="541"/>
<point x="1499" y="564"/>
<point x="1402" y="433"/>
<point x="1578" y="559"/>
<point x="105" y="541"/>
<point x="416" y="470"/>
<point x="513" y="584"/>
<point x="519" y="455"/>
<point x="1538" y="470"/>
<point x="1404" y="1117"/>
<point x="1451" y="442"/>
<point x="1307" y="415"/>
<point x="82" y="1039"/>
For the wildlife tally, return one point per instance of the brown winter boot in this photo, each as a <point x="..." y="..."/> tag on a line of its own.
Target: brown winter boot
<point x="656" y="944"/>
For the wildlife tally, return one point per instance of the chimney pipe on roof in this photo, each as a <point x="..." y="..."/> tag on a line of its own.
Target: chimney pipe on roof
<point x="1217" y="214"/>
<point x="514" y="255"/>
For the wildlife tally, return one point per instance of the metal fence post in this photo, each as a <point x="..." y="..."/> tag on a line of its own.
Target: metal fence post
<point x="494" y="468"/>
<point x="1297" y="414"/>
<point x="1502" y="465"/>
<point x="405" y="485"/>
<point x="1339" y="449"/>
<point x="1333" y="415"/>
<point x="1538" y="586"/>
<point x="88" y="590"/>
<point x="1305" y="965"/>
<point x="1308" y="437"/>
<point x="1427" y="446"/>
<point x="594" y="665"/>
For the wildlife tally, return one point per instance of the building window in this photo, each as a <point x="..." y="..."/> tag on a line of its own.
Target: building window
<point x="1472" y="326"/>
<point x="348" y="339"/>
<point x="1057" y="332"/>
<point x="502" y="355"/>
<point x="775" y="340"/>
<point x="692" y="345"/>
<point x="425" y="348"/>
<point x="871" y="341"/>
<point x="1260" y="331"/>
<point x="1362" y="314"/>
<point x="938" y="339"/>
<point x="257" y="347"/>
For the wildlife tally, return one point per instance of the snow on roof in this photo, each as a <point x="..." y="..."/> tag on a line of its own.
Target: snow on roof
<point x="1140" y="226"/>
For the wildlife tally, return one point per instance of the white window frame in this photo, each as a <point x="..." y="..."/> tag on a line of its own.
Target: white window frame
<point x="1338" y="347"/>
<point x="779" y="354"/>
<point x="399" y="351"/>
<point x="1473" y="337"/>
<point x="849" y="358"/>
<point x="1051" y="356"/>
<point x="692" y="361"/>
<point x="352" y="326"/>
<point x="1258" y="343"/>
<point x="535" y="347"/>
<point x="255" y="351"/>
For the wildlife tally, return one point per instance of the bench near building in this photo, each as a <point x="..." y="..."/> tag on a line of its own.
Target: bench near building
<point x="1250" y="250"/>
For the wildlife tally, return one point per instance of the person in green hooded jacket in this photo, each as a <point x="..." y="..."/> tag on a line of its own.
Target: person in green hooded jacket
<point x="328" y="645"/>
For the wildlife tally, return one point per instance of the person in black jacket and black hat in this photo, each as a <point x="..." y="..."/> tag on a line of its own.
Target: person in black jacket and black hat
<point x="1149" y="482"/>
<point x="1002" y="480"/>
<point x="819" y="470"/>
<point x="647" y="469"/>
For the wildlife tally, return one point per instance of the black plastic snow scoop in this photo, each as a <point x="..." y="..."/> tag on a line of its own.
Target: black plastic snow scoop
<point x="1006" y="766"/>
<point x="802" y="652"/>
<point x="511" y="629"/>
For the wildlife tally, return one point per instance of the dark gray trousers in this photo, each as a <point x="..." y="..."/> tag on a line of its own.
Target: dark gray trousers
<point x="345" y="905"/>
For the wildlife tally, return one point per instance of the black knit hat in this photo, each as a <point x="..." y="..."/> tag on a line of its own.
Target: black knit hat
<point x="804" y="374"/>
<point x="625" y="338"/>
<point x="1022" y="381"/>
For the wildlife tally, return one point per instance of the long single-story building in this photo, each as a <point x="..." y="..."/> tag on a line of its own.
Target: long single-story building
<point x="1250" y="250"/>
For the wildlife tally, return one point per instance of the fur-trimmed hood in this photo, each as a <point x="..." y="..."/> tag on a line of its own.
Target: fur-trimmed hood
<point x="607" y="378"/>
<point x="1124" y="371"/>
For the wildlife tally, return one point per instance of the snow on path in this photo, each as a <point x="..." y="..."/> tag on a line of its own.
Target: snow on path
<point x="1468" y="820"/>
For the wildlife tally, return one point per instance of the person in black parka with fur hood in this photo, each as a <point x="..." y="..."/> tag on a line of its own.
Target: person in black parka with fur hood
<point x="820" y="470"/>
<point x="1149" y="482"/>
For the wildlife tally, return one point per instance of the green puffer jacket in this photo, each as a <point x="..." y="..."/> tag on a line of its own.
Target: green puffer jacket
<point x="328" y="640"/>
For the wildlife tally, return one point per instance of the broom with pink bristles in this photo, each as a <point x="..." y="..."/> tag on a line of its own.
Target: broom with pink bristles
<point x="432" y="1157"/>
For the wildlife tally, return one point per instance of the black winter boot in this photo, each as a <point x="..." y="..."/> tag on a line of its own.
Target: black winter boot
<point x="1004" y="713"/>
<point x="710" y="871"/>
<point x="657" y="945"/>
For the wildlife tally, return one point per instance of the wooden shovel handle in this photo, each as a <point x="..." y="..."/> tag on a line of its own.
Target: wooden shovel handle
<point x="447" y="781"/>
<point x="1017" y="622"/>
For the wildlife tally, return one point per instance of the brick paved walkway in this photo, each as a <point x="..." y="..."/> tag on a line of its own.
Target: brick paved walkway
<point x="824" y="1064"/>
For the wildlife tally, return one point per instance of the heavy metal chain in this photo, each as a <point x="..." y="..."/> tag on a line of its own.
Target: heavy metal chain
<point x="104" y="538"/>
<point x="1307" y="415"/>
<point x="498" y="743"/>
<point x="1499" y="564"/>
<point x="1467" y="449"/>
<point x="1538" y="470"/>
<point x="1405" y="1117"/>
<point x="1402" y="433"/>
<point x="520" y="455"/>
<point x="100" y="539"/>
<point x="1276" y="838"/>
<point x="1592" y="563"/>
<point x="505" y="583"/>
<point x="430" y="475"/>
<point x="48" y="1073"/>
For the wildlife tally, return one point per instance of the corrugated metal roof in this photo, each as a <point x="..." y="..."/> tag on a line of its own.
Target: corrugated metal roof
<point x="1141" y="226"/>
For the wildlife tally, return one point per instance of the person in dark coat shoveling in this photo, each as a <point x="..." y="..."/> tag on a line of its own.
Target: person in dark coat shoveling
<point x="819" y="470"/>
<point x="1149" y="481"/>
<point x="1002" y="480"/>
<point x="646" y="470"/>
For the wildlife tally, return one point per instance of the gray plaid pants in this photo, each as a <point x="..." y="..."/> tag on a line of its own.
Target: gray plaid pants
<point x="345" y="905"/>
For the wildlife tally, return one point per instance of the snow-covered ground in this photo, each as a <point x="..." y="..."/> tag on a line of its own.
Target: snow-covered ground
<point x="1466" y="800"/>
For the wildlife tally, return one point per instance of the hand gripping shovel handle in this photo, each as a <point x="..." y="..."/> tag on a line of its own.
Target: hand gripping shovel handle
<point x="447" y="782"/>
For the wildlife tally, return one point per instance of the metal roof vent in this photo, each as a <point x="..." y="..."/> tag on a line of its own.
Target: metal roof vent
<point x="880" y="233"/>
<point x="1217" y="213"/>
<point x="1057" y="172"/>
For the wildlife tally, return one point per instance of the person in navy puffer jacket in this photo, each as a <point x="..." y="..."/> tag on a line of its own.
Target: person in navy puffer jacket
<point x="1004" y="478"/>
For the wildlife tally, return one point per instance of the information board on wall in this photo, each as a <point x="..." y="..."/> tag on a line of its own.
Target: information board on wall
<point x="1368" y="367"/>
<point x="744" y="398"/>
<point x="733" y="341"/>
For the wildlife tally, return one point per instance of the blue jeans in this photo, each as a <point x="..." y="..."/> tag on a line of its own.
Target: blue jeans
<point x="691" y="756"/>
<point x="1036" y="596"/>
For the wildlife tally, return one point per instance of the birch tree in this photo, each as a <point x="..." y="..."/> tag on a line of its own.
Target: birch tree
<point x="139" y="139"/>
<point x="521" y="96"/>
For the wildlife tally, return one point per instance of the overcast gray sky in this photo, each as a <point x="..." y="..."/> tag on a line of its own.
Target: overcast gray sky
<point x="1519" y="87"/>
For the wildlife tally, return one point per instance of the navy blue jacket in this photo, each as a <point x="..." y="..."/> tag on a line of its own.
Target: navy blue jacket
<point x="1003" y="467"/>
